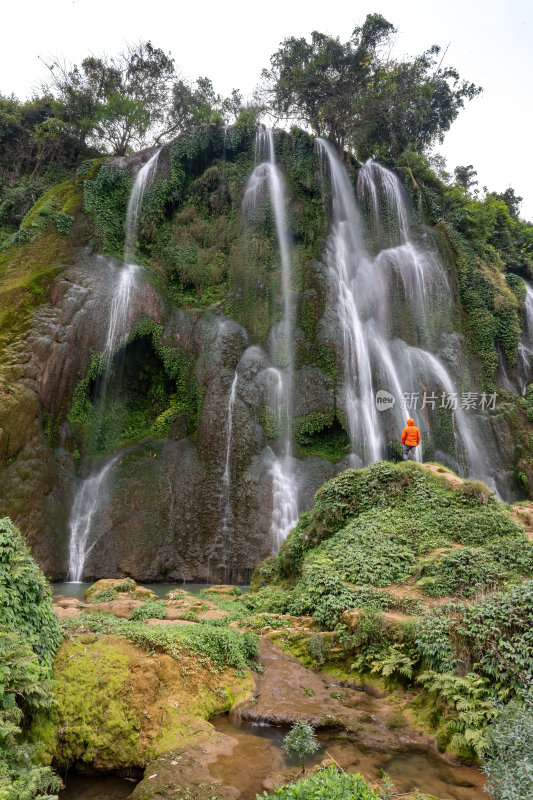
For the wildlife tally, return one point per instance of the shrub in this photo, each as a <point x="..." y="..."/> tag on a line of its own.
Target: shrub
<point x="152" y="609"/>
<point x="318" y="648"/>
<point x="301" y="742"/>
<point x="509" y="752"/>
<point x="328" y="783"/>
<point x="64" y="223"/>
<point x="25" y="597"/>
<point x="218" y="647"/>
<point x="29" y="636"/>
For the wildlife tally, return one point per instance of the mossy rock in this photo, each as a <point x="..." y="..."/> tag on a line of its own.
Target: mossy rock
<point x="118" y="706"/>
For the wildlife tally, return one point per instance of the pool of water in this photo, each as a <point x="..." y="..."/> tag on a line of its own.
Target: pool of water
<point x="78" y="590"/>
<point x="96" y="787"/>
<point x="259" y="753"/>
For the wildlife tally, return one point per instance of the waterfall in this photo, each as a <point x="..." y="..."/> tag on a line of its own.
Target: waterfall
<point x="267" y="175"/>
<point x="363" y="287"/>
<point x="89" y="494"/>
<point x="86" y="503"/>
<point x="345" y="253"/>
<point x="525" y="348"/>
<point x="144" y="179"/>
<point x="225" y="527"/>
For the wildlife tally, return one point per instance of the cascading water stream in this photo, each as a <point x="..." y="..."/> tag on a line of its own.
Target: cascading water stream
<point x="89" y="493"/>
<point x="284" y="485"/>
<point x="525" y="348"/>
<point x="372" y="357"/>
<point x="344" y="254"/>
<point x="144" y="179"/>
<point x="226" y="524"/>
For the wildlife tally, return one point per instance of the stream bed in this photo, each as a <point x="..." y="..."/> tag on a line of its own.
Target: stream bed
<point x="259" y="753"/>
<point x="96" y="787"/>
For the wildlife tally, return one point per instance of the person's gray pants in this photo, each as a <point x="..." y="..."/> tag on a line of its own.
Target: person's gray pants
<point x="409" y="452"/>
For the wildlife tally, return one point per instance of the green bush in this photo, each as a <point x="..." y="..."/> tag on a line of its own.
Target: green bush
<point x="24" y="683"/>
<point x="64" y="223"/>
<point x="29" y="637"/>
<point x="301" y="742"/>
<point x="508" y="762"/>
<point x="326" y="784"/>
<point x="25" y="597"/>
<point x="152" y="609"/>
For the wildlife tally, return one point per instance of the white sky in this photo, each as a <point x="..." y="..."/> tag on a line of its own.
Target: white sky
<point x="491" y="44"/>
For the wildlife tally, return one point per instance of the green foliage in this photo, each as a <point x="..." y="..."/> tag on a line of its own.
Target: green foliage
<point x="465" y="572"/>
<point x="318" y="648"/>
<point x="23" y="683"/>
<point x="529" y="402"/>
<point x="468" y="697"/>
<point x="103" y="596"/>
<point x="106" y="198"/>
<point x="218" y="647"/>
<point x="64" y="223"/>
<point x="25" y="597"/>
<point x="114" y="101"/>
<point x="320" y="435"/>
<point x="301" y="742"/>
<point x="351" y="93"/>
<point x="492" y="638"/>
<point x="29" y="636"/>
<point x="152" y="609"/>
<point x="156" y="390"/>
<point x="328" y="783"/>
<point x="508" y="755"/>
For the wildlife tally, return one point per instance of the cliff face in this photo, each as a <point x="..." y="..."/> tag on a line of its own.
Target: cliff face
<point x="203" y="312"/>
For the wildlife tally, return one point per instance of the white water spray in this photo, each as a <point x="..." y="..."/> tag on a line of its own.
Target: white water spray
<point x="284" y="484"/>
<point x="86" y="503"/>
<point x="362" y="289"/>
<point x="89" y="495"/>
<point x="143" y="181"/>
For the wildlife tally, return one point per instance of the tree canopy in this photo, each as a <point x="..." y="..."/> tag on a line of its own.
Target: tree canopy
<point x="120" y="100"/>
<point x="357" y="96"/>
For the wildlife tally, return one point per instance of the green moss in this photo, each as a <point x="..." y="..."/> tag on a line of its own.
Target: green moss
<point x="81" y="728"/>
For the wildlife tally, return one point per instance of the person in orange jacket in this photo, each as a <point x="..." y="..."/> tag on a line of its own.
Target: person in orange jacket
<point x="410" y="440"/>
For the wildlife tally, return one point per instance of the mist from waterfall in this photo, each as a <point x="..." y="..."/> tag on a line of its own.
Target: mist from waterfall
<point x="89" y="493"/>
<point x="267" y="178"/>
<point x="369" y="292"/>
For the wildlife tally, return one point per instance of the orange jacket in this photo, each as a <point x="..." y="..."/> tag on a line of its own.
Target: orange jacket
<point x="410" y="435"/>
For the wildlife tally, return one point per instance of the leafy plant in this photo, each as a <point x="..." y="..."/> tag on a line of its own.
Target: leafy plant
<point x="301" y="742"/>
<point x="152" y="609"/>
<point x="508" y="755"/>
<point x="468" y="697"/>
<point x="218" y="647"/>
<point x="327" y="783"/>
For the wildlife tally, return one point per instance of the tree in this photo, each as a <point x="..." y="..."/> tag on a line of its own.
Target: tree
<point x="200" y="106"/>
<point x="301" y="742"/>
<point x="408" y="105"/>
<point x="115" y="100"/>
<point x="357" y="97"/>
<point x="464" y="176"/>
<point x="317" y="82"/>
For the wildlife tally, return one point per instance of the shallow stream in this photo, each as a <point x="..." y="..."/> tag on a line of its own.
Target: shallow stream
<point x="259" y="753"/>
